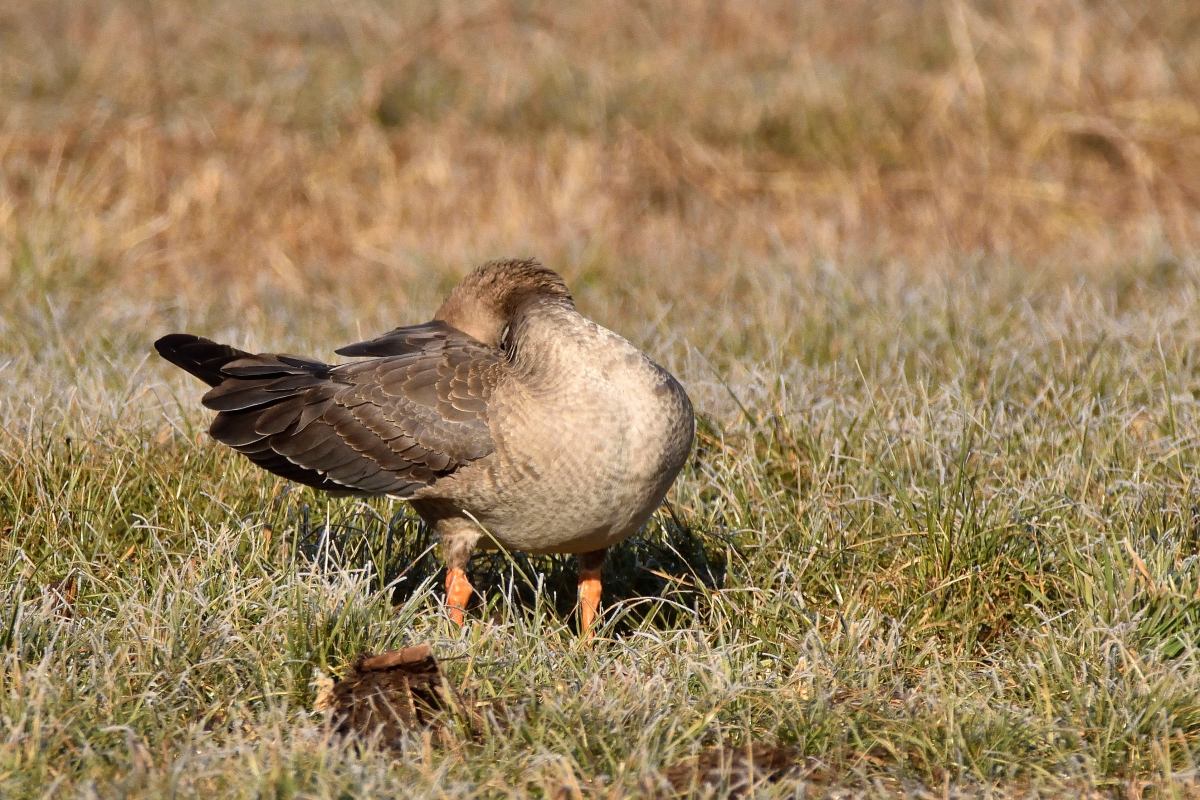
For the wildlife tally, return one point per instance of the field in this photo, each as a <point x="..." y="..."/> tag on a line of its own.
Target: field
<point x="928" y="271"/>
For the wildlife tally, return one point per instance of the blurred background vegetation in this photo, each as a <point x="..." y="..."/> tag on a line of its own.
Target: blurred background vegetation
<point x="266" y="151"/>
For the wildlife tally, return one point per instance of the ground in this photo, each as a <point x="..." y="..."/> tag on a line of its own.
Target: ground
<point x="928" y="272"/>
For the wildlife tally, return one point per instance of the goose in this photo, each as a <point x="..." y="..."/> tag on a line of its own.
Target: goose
<point x="508" y="420"/>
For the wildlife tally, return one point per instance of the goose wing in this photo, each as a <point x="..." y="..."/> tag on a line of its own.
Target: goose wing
<point x="388" y="425"/>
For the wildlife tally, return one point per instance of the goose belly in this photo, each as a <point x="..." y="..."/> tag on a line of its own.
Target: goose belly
<point x="602" y="464"/>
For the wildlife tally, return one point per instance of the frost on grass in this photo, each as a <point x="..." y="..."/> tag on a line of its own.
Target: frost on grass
<point x="929" y="276"/>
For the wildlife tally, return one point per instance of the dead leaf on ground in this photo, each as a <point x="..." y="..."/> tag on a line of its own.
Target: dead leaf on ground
<point x="390" y="694"/>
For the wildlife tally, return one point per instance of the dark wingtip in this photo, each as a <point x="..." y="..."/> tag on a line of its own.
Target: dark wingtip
<point x="201" y="357"/>
<point x="353" y="350"/>
<point x="172" y="342"/>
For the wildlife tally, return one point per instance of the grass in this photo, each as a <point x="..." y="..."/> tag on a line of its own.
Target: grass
<point x="929" y="274"/>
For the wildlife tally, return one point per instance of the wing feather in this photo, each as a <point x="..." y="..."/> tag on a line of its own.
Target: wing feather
<point x="405" y="340"/>
<point x="393" y="424"/>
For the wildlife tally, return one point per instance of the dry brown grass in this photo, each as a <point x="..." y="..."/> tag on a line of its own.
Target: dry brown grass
<point x="275" y="148"/>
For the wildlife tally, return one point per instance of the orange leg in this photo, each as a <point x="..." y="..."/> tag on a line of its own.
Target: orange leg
<point x="589" y="591"/>
<point x="458" y="592"/>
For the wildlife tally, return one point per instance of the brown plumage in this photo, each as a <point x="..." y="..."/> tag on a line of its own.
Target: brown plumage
<point x="390" y="425"/>
<point x="508" y="418"/>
